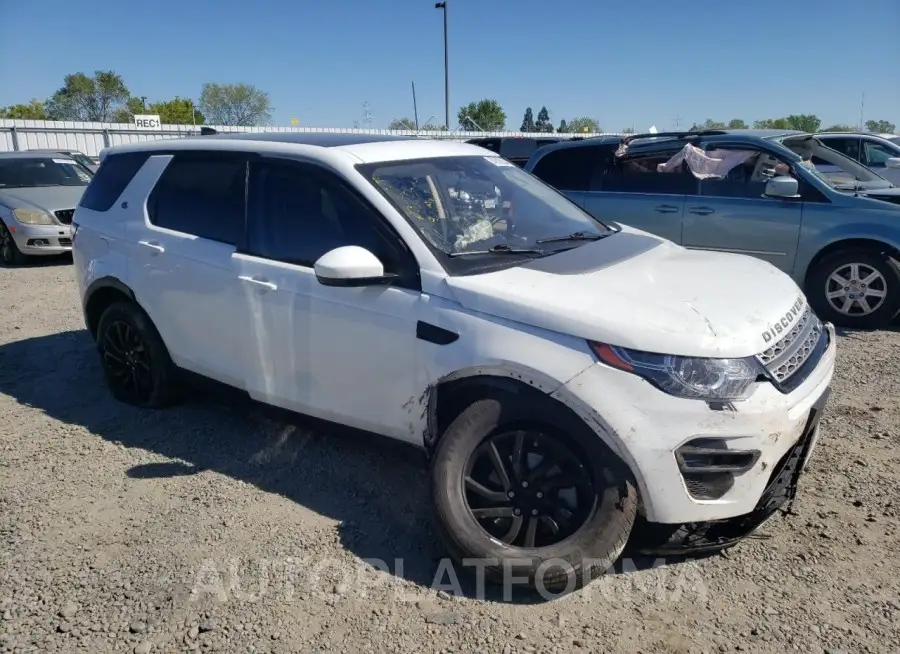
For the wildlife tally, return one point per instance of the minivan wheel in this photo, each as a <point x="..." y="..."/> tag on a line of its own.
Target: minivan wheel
<point x="9" y="251"/>
<point x="135" y="361"/>
<point x="532" y="504"/>
<point x="856" y="288"/>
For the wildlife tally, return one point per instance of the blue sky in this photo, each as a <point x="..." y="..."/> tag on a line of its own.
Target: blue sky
<point x="637" y="63"/>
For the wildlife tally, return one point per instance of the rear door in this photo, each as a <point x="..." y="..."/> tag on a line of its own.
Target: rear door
<point x="734" y="215"/>
<point x="632" y="192"/>
<point x="180" y="266"/>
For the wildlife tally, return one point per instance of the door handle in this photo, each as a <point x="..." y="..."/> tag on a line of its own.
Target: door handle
<point x="153" y="245"/>
<point x="259" y="282"/>
<point x="665" y="208"/>
<point x="702" y="211"/>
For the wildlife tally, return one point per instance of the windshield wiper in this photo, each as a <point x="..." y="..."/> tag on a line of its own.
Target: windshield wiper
<point x="499" y="249"/>
<point x="574" y="236"/>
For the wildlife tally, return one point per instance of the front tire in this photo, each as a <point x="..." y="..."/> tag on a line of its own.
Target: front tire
<point x="538" y="505"/>
<point x="10" y="254"/>
<point x="857" y="288"/>
<point x="135" y="361"/>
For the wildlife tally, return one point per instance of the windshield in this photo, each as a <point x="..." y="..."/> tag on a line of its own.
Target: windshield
<point x="474" y="203"/>
<point x="83" y="159"/>
<point x="41" y="171"/>
<point x="837" y="170"/>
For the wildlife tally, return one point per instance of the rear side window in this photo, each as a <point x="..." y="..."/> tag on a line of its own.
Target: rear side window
<point x="639" y="175"/>
<point x="569" y="169"/>
<point x="110" y="180"/>
<point x="201" y="195"/>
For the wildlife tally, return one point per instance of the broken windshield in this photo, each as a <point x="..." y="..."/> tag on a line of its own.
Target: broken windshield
<point x="475" y="203"/>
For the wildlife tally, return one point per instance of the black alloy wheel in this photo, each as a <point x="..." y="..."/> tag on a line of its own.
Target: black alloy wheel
<point x="528" y="489"/>
<point x="127" y="361"/>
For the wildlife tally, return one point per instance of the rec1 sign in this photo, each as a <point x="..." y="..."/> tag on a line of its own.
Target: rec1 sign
<point x="147" y="121"/>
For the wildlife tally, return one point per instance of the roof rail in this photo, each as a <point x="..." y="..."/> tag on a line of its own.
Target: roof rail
<point x="677" y="135"/>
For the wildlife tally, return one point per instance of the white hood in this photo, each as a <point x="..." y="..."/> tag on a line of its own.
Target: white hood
<point x="635" y="290"/>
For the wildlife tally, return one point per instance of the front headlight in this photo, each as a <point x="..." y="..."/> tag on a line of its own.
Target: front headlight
<point x="714" y="380"/>
<point x="33" y="217"/>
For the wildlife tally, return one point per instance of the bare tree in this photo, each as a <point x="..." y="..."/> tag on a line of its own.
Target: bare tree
<point x="234" y="104"/>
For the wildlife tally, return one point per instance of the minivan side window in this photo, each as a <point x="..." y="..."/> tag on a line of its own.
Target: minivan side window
<point x="110" y="180"/>
<point x="299" y="212"/>
<point x="639" y="175"/>
<point x="202" y="195"/>
<point x="846" y="146"/>
<point x="569" y="169"/>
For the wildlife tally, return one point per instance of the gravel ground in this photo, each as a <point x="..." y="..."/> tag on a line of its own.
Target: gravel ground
<point x="218" y="527"/>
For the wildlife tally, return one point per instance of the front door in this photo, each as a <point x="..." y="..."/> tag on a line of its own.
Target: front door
<point x="349" y="355"/>
<point x="734" y="215"/>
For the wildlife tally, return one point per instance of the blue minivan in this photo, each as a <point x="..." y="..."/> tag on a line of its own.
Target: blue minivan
<point x="752" y="192"/>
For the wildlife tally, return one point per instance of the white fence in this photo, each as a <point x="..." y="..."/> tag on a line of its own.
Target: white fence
<point x="91" y="138"/>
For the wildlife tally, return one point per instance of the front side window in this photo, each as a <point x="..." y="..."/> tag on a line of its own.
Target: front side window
<point x="203" y="195"/>
<point x="30" y="172"/>
<point x="474" y="204"/>
<point x="298" y="212"/>
<point x="878" y="154"/>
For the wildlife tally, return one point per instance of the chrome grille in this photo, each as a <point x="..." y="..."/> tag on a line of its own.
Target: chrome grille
<point x="784" y="358"/>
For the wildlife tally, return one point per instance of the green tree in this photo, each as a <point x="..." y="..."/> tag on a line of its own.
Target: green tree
<point x="584" y="124"/>
<point x="880" y="126"/>
<point x="177" y="111"/>
<point x="628" y="130"/>
<point x="485" y="115"/>
<point x="126" y="113"/>
<point x="528" y="122"/>
<point x="86" y="98"/>
<point x="234" y="104"/>
<point x="804" y="122"/>
<point x="839" y="128"/>
<point x="772" y="123"/>
<point x="563" y="127"/>
<point x="709" y="123"/>
<point x="431" y="127"/>
<point x="402" y="123"/>
<point x="737" y="123"/>
<point x="34" y="110"/>
<point x="543" y="123"/>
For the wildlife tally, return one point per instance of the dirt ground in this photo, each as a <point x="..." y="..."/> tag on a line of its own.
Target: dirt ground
<point x="217" y="527"/>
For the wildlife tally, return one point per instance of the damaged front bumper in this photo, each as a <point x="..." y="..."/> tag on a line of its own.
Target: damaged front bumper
<point x="699" y="537"/>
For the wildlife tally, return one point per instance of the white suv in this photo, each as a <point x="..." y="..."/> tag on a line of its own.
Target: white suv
<point x="572" y="381"/>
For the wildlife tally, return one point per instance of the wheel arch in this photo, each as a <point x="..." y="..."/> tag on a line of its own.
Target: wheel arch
<point x="453" y="392"/>
<point x="835" y="246"/>
<point x="100" y="294"/>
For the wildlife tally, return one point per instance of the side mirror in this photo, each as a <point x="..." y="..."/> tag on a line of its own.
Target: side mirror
<point x="893" y="162"/>
<point x="351" y="265"/>
<point x="782" y="187"/>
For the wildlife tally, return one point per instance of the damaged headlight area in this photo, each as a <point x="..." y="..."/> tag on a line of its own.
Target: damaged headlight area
<point x="712" y="380"/>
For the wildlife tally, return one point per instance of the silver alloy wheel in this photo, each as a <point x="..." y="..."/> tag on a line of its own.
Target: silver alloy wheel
<point x="856" y="289"/>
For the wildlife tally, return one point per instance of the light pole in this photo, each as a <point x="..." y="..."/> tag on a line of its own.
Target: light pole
<point x="144" y="102"/>
<point x="443" y="6"/>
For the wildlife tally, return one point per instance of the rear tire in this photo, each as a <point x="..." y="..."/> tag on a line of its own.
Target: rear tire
<point x="135" y="360"/>
<point x="856" y="288"/>
<point x="604" y="521"/>
<point x="10" y="254"/>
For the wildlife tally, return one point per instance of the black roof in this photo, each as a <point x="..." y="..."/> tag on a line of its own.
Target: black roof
<point x="321" y="139"/>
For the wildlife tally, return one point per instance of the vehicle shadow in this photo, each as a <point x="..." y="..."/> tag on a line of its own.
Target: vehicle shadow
<point x="49" y="261"/>
<point x="375" y="488"/>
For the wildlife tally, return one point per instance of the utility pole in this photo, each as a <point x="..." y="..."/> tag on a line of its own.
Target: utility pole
<point x="144" y="102"/>
<point x="443" y="6"/>
<point x="677" y="121"/>
<point x="415" y="106"/>
<point x="862" y="110"/>
<point x="367" y="115"/>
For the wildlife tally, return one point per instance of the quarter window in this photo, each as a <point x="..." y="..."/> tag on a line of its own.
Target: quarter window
<point x="201" y="195"/>
<point x="110" y="180"/>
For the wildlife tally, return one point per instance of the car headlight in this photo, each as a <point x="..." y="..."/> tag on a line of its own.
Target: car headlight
<point x="33" y="217"/>
<point x="714" y="380"/>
